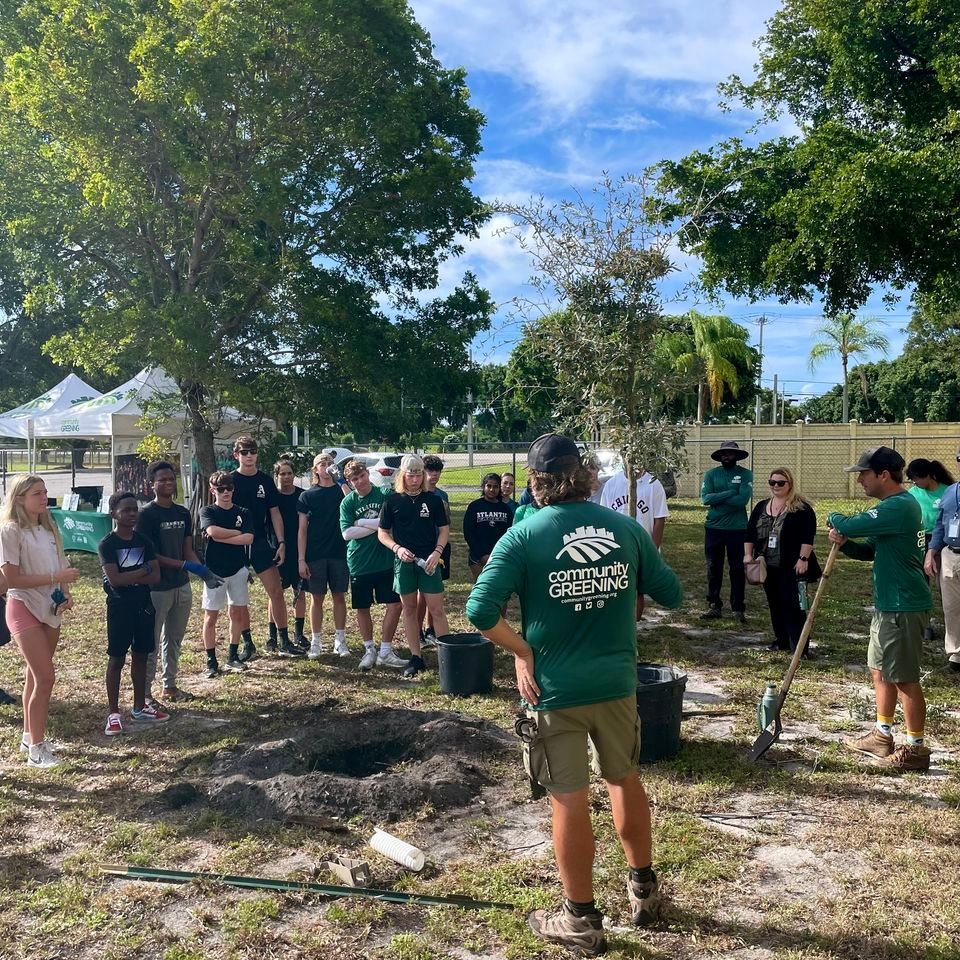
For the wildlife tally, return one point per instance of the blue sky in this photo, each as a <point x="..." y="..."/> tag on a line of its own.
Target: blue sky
<point x="571" y="89"/>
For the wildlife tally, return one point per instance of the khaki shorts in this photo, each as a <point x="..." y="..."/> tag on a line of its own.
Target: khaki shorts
<point x="558" y="757"/>
<point x="896" y="645"/>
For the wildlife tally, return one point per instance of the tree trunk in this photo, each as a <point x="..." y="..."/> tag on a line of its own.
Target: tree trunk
<point x="846" y="394"/>
<point x="702" y="402"/>
<point x="206" y="457"/>
<point x="631" y="472"/>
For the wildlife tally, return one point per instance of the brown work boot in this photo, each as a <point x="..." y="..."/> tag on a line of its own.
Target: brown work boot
<point x="644" y="901"/>
<point x="582" y="935"/>
<point x="874" y="743"/>
<point x="909" y="757"/>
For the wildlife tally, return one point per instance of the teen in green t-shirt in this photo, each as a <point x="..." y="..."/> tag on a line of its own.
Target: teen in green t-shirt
<point x="930" y="481"/>
<point x="371" y="566"/>
<point x="893" y="538"/>
<point x="577" y="568"/>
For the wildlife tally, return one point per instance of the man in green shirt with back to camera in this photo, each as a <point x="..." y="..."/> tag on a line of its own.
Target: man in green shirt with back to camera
<point x="894" y="540"/>
<point x="725" y="492"/>
<point x="577" y="568"/>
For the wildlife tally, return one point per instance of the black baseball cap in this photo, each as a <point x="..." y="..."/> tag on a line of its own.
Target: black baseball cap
<point x="553" y="453"/>
<point x="878" y="459"/>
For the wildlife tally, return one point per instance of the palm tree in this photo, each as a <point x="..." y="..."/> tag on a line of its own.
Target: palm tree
<point x="844" y="335"/>
<point x="710" y="351"/>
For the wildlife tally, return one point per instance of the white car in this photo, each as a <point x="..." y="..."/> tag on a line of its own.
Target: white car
<point x="382" y="466"/>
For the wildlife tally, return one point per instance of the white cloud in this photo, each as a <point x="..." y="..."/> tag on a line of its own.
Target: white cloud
<point x="571" y="51"/>
<point x="624" y="123"/>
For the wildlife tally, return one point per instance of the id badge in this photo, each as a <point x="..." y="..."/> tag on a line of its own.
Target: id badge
<point x="953" y="530"/>
<point x="772" y="542"/>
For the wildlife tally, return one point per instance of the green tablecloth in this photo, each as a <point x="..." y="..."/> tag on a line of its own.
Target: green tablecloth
<point x="82" y="529"/>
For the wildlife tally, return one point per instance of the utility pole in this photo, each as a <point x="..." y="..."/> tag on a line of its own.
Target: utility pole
<point x="773" y="406"/>
<point x="761" y="321"/>
<point x="469" y="428"/>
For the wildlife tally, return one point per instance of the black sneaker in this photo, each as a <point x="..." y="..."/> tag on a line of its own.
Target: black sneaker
<point x="414" y="666"/>
<point x="739" y="616"/>
<point x="713" y="613"/>
<point x="302" y="642"/>
<point x="287" y="649"/>
<point x="954" y="665"/>
<point x="213" y="670"/>
<point x="428" y="639"/>
<point x="271" y="645"/>
<point x="247" y="651"/>
<point x="235" y="665"/>
<point x="778" y="645"/>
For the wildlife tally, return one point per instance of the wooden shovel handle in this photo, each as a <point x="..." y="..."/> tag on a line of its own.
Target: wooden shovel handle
<point x="808" y="625"/>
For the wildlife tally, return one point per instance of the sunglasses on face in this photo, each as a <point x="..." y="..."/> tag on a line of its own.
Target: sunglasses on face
<point x="777" y="483"/>
<point x="222" y="489"/>
<point x="246" y="453"/>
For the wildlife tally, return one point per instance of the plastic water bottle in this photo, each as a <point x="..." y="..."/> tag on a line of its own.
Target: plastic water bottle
<point x="767" y="708"/>
<point x="804" y="599"/>
<point x="422" y="564"/>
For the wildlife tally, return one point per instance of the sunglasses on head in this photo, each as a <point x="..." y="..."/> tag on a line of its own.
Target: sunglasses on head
<point x="778" y="483"/>
<point x="223" y="489"/>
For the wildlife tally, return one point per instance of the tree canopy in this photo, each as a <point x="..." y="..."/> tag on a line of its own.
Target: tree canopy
<point x="866" y="191"/>
<point x="239" y="191"/>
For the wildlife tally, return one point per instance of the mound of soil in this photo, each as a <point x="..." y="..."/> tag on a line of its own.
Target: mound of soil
<point x="383" y="764"/>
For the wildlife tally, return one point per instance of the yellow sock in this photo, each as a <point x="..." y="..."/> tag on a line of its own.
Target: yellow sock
<point x="885" y="725"/>
<point x="914" y="738"/>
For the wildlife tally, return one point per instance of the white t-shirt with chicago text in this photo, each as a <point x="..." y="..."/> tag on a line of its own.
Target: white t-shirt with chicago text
<point x="651" y="498"/>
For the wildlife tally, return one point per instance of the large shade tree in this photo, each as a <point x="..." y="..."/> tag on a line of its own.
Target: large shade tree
<point x="866" y="191"/>
<point x="248" y="193"/>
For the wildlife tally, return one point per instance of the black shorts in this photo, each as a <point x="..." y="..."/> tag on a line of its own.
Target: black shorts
<point x="261" y="555"/>
<point x="332" y="574"/>
<point x="290" y="577"/>
<point x="445" y="569"/>
<point x="367" y="585"/>
<point x="129" y="627"/>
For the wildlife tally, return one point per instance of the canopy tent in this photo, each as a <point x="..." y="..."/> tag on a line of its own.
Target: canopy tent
<point x="70" y="392"/>
<point x="116" y="413"/>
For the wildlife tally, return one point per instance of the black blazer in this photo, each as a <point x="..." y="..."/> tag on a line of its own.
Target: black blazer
<point x="798" y="528"/>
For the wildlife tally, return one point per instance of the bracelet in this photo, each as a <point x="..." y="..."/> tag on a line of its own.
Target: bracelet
<point x="438" y="550"/>
<point x="281" y="543"/>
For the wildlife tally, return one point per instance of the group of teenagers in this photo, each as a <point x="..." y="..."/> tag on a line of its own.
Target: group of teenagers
<point x="342" y="534"/>
<point x="912" y="536"/>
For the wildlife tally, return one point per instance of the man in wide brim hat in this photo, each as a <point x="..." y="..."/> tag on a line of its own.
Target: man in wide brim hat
<point x="729" y="450"/>
<point x="725" y="492"/>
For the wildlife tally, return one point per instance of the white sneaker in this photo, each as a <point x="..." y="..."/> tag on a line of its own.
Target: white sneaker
<point x="42" y="756"/>
<point x="369" y="659"/>
<point x="316" y="649"/>
<point x="340" y="648"/>
<point x="24" y="745"/>
<point x="391" y="660"/>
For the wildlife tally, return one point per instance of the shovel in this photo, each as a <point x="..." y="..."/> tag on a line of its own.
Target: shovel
<point x="771" y="733"/>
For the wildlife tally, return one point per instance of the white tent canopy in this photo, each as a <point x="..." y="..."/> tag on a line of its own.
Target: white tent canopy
<point x="115" y="414"/>
<point x="69" y="393"/>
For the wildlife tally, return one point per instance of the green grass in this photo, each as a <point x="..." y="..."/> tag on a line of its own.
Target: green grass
<point x="897" y="900"/>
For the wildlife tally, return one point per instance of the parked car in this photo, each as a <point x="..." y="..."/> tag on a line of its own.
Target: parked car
<point x="610" y="464"/>
<point x="382" y="466"/>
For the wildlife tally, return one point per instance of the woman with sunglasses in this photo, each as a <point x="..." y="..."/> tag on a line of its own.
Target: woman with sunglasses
<point x="781" y="529"/>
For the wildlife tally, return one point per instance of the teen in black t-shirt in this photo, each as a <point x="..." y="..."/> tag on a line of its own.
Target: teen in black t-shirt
<point x="288" y="496"/>
<point x="255" y="491"/>
<point x="130" y="568"/>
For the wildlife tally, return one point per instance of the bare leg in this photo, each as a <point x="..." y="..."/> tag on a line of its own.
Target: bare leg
<point x="300" y="607"/>
<point x="631" y="817"/>
<point x="239" y="621"/>
<point x="391" y="619"/>
<point x="364" y="624"/>
<point x="210" y="629"/>
<point x="573" y="844"/>
<point x="885" y="694"/>
<point x="422" y="612"/>
<point x="316" y="612"/>
<point x="270" y="578"/>
<point x="411" y="622"/>
<point x="36" y="647"/>
<point x="435" y="607"/>
<point x="914" y="706"/>
<point x="114" y="676"/>
<point x="138" y="673"/>
<point x="339" y="610"/>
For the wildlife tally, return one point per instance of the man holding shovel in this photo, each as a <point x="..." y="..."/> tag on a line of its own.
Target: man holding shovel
<point x="893" y="538"/>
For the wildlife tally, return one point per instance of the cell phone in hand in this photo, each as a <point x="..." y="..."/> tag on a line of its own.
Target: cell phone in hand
<point x="59" y="598"/>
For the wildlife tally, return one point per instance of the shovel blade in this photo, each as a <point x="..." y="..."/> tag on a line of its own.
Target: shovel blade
<point x="766" y="739"/>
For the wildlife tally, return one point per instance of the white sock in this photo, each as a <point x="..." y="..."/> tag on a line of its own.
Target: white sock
<point x="369" y="645"/>
<point x="385" y="648"/>
<point x="341" y="636"/>
<point x="316" y="637"/>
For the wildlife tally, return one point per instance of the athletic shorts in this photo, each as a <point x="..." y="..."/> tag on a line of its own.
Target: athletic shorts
<point x="445" y="569"/>
<point x="409" y="578"/>
<point x="235" y="589"/>
<point x="130" y="627"/>
<point x="261" y="555"/>
<point x="328" y="574"/>
<point x="290" y="576"/>
<point x="558" y="756"/>
<point x="896" y="645"/>
<point x="367" y="586"/>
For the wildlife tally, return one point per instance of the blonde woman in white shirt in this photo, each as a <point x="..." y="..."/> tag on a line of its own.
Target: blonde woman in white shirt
<point x="34" y="566"/>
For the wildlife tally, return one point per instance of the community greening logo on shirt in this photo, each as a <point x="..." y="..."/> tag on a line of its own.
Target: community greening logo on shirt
<point x="587" y="544"/>
<point x="589" y="585"/>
